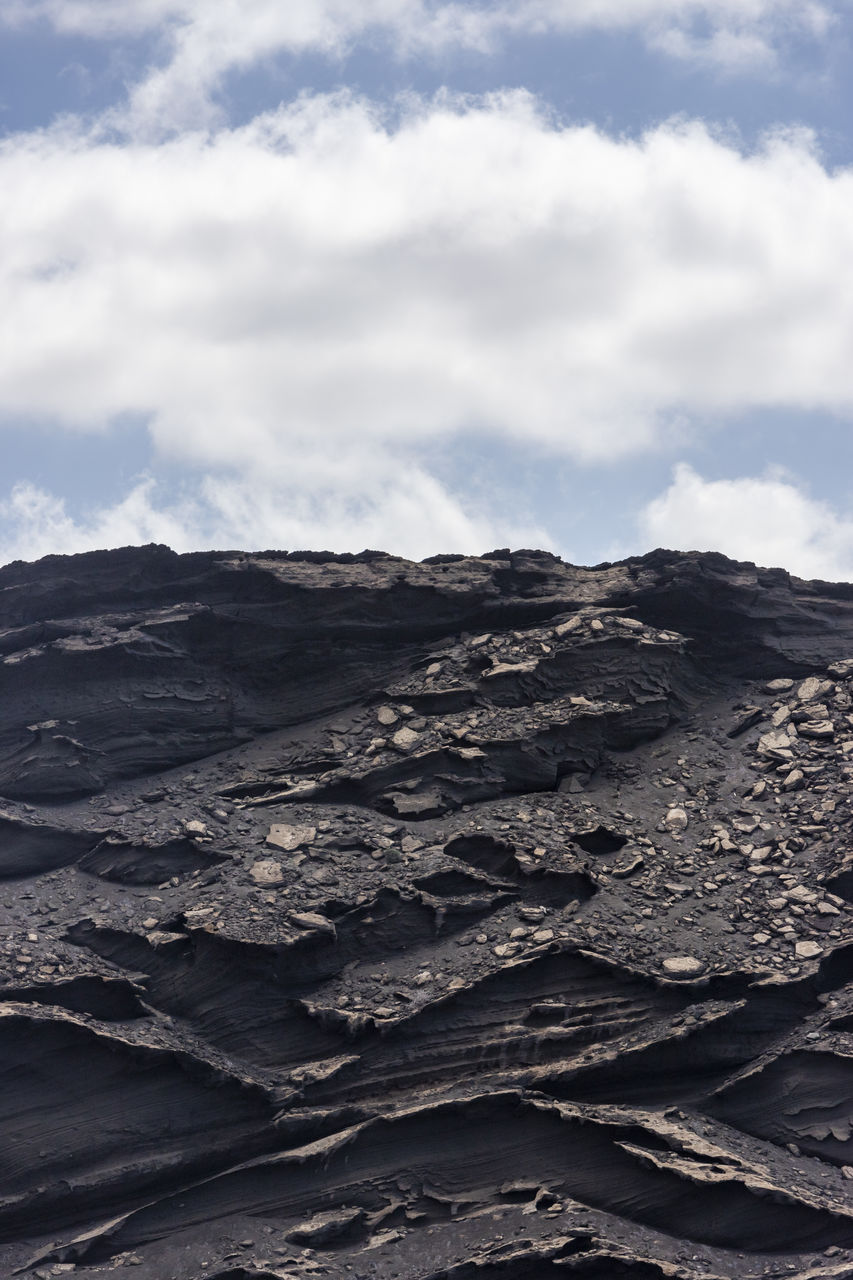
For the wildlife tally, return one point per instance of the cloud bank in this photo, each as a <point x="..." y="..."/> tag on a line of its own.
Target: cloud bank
<point x="276" y="291"/>
<point x="311" y="303"/>
<point x="404" y="509"/>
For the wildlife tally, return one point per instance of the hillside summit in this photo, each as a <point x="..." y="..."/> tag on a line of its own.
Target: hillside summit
<point x="484" y="918"/>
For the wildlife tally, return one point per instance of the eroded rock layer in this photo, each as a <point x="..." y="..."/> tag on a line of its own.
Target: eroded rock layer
<point x="478" y="919"/>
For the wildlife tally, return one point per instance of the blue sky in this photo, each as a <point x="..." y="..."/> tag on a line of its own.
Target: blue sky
<point x="428" y="276"/>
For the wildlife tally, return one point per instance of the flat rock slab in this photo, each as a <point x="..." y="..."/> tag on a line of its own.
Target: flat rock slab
<point x="683" y="967"/>
<point x="289" y="838"/>
<point x="266" y="871"/>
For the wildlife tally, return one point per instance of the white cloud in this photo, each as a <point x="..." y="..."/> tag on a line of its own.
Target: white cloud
<point x="317" y="282"/>
<point x="403" y="510"/>
<point x="36" y="523"/>
<point x="768" y="519"/>
<point x="203" y="40"/>
<point x="305" y="305"/>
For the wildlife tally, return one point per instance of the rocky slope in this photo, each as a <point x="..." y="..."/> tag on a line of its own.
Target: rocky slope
<point x="478" y="919"/>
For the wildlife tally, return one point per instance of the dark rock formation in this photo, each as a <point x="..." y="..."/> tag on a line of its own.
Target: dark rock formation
<point x="479" y="919"/>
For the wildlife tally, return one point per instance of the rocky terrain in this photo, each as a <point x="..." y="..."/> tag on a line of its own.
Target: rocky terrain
<point x="477" y="919"/>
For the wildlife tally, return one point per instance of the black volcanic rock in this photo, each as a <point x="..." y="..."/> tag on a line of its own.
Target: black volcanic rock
<point x="478" y="919"/>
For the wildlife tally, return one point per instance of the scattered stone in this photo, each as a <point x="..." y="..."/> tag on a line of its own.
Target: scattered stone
<point x="512" y="668"/>
<point x="387" y="716"/>
<point x="821" y="729"/>
<point x="774" y="743"/>
<point x="813" y="688"/>
<point x="406" y="739"/>
<point x="841" y="670"/>
<point x="683" y="966"/>
<point x="676" y="820"/>
<point x="323" y="1228"/>
<point x="635" y="862"/>
<point x="313" y="921"/>
<point x="266" y="871"/>
<point x="289" y="838"/>
<point x="808" y="950"/>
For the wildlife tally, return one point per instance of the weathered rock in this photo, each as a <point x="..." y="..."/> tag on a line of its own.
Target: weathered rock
<point x="285" y="975"/>
<point x="772" y="744"/>
<point x="289" y="837"/>
<point x="266" y="871"/>
<point x="683" y="967"/>
<point x="676" y="820"/>
<point x="813" y="688"/>
<point x="821" y="729"/>
<point x="842" y="670"/>
<point x="744" y="720"/>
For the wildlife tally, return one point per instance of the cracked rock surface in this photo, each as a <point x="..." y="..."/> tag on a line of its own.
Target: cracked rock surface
<point x="479" y="919"/>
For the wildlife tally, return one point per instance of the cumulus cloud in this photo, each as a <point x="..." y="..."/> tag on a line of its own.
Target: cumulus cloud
<point x="402" y="509"/>
<point x="310" y="304"/>
<point x="321" y="280"/>
<point x="768" y="519"/>
<point x="202" y="41"/>
<point x="36" y="523"/>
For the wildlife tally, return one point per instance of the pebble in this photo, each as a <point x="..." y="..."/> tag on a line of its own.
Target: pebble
<point x="770" y="743"/>
<point x="288" y="837"/>
<point x="819" y="729"/>
<point x="813" y="688"/>
<point x="676" y="820"/>
<point x="266" y="871"/>
<point x="683" y="966"/>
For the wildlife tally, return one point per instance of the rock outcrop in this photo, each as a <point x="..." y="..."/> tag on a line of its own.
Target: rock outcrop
<point x="478" y="919"/>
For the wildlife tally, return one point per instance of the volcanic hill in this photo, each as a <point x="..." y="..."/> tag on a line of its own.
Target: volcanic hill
<point x="473" y="919"/>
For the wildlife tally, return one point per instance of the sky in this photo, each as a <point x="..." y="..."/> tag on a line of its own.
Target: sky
<point x="428" y="276"/>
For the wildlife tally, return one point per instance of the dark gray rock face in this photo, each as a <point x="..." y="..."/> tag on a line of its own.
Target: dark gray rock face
<point x="479" y="919"/>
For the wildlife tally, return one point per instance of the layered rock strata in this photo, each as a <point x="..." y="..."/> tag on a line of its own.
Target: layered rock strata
<point x="478" y="919"/>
